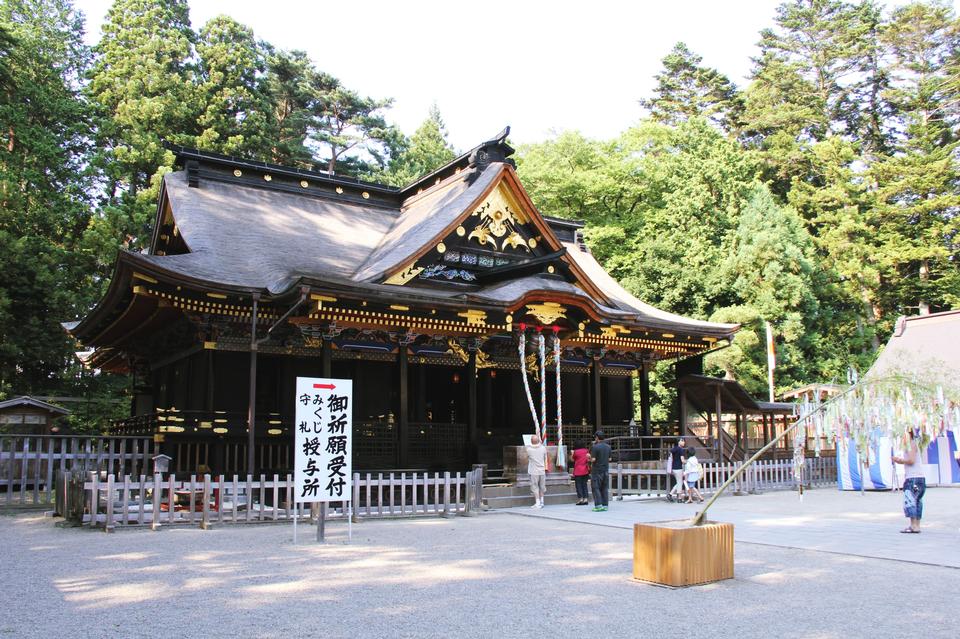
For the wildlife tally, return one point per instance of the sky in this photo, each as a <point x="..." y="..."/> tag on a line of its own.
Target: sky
<point x="540" y="67"/>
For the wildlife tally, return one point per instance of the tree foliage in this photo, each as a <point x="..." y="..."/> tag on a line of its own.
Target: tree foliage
<point x="686" y="89"/>
<point x="44" y="194"/>
<point x="822" y="197"/>
<point x="426" y="150"/>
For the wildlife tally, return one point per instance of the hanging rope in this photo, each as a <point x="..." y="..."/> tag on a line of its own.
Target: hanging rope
<point x="523" y="374"/>
<point x="543" y="392"/>
<point x="543" y="389"/>
<point x="561" y="458"/>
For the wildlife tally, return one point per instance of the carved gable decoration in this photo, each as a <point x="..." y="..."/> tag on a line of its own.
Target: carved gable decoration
<point x="496" y="233"/>
<point x="499" y="221"/>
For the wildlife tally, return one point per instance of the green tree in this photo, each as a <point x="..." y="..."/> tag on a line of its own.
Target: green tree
<point x="685" y="89"/>
<point x="577" y="178"/>
<point x="347" y="128"/>
<point x="770" y="268"/>
<point x="917" y="186"/>
<point x="143" y="87"/>
<point x="236" y="110"/>
<point x="293" y="87"/>
<point x="44" y="187"/>
<point x="426" y="150"/>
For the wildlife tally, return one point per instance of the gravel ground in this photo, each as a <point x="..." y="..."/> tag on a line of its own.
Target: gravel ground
<point x="493" y="575"/>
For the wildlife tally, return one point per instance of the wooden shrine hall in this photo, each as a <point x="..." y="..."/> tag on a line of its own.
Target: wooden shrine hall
<point x="257" y="274"/>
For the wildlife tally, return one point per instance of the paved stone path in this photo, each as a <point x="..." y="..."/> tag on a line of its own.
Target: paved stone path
<point x="496" y="575"/>
<point x="851" y="523"/>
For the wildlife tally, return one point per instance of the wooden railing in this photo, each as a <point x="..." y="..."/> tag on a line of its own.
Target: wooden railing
<point x="30" y="463"/>
<point x="771" y="474"/>
<point x="109" y="501"/>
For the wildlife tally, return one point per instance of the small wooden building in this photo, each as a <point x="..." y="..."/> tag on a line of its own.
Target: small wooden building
<point x="257" y="274"/>
<point x="29" y="416"/>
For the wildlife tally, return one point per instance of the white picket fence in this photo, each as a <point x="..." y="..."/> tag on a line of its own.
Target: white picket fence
<point x="771" y="474"/>
<point x="203" y="501"/>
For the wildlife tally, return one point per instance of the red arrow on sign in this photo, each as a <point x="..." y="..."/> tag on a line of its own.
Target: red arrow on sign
<point x="330" y="386"/>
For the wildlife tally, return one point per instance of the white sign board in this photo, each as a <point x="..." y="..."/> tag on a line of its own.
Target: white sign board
<point x="323" y="439"/>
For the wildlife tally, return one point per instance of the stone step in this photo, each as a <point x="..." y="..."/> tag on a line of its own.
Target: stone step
<point x="510" y="490"/>
<point x="518" y="501"/>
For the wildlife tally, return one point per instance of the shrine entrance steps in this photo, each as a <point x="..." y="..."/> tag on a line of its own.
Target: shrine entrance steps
<point x="560" y="490"/>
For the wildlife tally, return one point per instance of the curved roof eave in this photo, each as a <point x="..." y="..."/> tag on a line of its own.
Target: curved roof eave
<point x="645" y="312"/>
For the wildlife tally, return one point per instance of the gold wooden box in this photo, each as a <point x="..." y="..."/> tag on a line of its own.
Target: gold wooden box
<point x="674" y="553"/>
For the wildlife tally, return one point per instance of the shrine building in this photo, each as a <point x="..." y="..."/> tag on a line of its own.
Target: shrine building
<point x="257" y="274"/>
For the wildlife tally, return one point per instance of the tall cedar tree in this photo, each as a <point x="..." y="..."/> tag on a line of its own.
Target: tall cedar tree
<point x="143" y="87"/>
<point x="44" y="196"/>
<point x="917" y="186"/>
<point x="770" y="267"/>
<point x="235" y="117"/>
<point x="685" y="89"/>
<point x="814" y="113"/>
<point x="293" y="87"/>
<point x="426" y="150"/>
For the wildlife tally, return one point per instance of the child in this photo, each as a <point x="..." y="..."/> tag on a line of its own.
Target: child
<point x="581" y="471"/>
<point x="692" y="471"/>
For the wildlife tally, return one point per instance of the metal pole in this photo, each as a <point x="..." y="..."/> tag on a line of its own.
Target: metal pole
<point x="252" y="400"/>
<point x="321" y="521"/>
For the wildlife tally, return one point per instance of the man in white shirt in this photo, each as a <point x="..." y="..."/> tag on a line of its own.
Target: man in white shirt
<point x="537" y="469"/>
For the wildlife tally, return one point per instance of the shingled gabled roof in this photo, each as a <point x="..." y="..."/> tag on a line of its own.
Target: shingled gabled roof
<point x="227" y="225"/>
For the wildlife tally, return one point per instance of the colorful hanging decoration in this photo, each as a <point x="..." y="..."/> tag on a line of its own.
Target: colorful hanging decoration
<point x="875" y="408"/>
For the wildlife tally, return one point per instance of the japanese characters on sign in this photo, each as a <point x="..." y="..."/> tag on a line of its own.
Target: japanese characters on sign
<point x="323" y="429"/>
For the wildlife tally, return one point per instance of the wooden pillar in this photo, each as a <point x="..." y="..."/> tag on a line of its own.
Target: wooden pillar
<point x="785" y="427"/>
<point x="487" y="421"/>
<point x="645" y="398"/>
<point x="682" y="411"/>
<point x="597" y="399"/>
<point x="719" y="412"/>
<point x="208" y="402"/>
<point x="472" y="434"/>
<point x="252" y="399"/>
<point x="746" y="436"/>
<point x="738" y="429"/>
<point x="403" y="418"/>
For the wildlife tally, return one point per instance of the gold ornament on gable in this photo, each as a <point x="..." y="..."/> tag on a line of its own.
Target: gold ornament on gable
<point x="500" y="223"/>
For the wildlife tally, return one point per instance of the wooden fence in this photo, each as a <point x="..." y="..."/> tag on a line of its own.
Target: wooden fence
<point x="772" y="474"/>
<point x="30" y="463"/>
<point x="109" y="501"/>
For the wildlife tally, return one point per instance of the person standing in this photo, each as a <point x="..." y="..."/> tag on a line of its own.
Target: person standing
<point x="692" y="472"/>
<point x="537" y="469"/>
<point x="678" y="456"/>
<point x="600" y="472"/>
<point x="914" y="484"/>
<point x="580" y="457"/>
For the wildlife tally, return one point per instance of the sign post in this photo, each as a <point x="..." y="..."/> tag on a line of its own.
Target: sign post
<point x="323" y="431"/>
